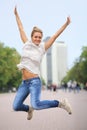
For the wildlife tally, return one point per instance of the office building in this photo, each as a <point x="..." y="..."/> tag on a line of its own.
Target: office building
<point x="54" y="63"/>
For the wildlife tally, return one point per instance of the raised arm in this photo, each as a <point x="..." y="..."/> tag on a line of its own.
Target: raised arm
<point x="55" y="36"/>
<point x="20" y="26"/>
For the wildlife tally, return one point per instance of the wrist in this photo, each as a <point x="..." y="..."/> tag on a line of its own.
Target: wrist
<point x="67" y="23"/>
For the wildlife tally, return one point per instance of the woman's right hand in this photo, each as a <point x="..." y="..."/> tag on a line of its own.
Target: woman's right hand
<point x="20" y="26"/>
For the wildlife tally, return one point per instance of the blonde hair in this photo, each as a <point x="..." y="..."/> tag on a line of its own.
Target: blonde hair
<point x="36" y="29"/>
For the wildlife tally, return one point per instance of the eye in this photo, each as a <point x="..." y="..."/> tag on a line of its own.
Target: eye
<point x="38" y="37"/>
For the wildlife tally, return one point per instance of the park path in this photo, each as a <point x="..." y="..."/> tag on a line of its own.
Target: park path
<point x="49" y="119"/>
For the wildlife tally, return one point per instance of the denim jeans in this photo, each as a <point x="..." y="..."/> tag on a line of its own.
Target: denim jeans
<point x="32" y="87"/>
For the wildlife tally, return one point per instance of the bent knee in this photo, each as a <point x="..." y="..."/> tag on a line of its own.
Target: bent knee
<point x="36" y="106"/>
<point x="15" y="107"/>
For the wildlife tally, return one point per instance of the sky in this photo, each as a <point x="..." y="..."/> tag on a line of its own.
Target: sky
<point x="49" y="15"/>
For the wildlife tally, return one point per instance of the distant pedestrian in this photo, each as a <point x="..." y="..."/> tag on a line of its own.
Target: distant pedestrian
<point x="54" y="87"/>
<point x="85" y="87"/>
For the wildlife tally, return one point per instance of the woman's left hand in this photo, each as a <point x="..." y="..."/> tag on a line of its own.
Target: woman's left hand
<point x="68" y="20"/>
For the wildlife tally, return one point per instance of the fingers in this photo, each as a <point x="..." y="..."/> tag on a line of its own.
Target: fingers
<point x="15" y="10"/>
<point x="68" y="20"/>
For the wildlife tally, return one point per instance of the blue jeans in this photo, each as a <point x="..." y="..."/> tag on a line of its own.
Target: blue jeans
<point x="32" y="87"/>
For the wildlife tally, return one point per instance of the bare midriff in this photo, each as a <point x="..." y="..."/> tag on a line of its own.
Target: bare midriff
<point x="28" y="75"/>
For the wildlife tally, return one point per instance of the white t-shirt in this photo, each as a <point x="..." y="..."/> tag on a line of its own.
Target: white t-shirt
<point x="31" y="57"/>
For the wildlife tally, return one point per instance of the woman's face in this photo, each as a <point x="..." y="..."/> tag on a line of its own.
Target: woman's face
<point x="36" y="38"/>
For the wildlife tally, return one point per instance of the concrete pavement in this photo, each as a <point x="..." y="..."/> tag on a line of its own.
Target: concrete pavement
<point x="48" y="119"/>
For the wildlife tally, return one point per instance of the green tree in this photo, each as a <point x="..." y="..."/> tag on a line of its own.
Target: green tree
<point x="79" y="71"/>
<point x="83" y="63"/>
<point x="9" y="75"/>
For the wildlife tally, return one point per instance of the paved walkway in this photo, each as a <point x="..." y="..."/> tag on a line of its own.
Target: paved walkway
<point x="50" y="119"/>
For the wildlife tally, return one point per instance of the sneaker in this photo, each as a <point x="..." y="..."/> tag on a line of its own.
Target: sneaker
<point x="30" y="113"/>
<point x="65" y="105"/>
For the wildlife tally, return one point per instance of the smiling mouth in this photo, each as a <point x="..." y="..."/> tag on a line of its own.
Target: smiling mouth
<point x="37" y="44"/>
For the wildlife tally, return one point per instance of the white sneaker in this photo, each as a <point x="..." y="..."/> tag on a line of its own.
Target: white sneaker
<point x="30" y="113"/>
<point x="65" y="105"/>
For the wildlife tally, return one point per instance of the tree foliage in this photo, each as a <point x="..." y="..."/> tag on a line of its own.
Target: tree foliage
<point x="79" y="71"/>
<point x="9" y="75"/>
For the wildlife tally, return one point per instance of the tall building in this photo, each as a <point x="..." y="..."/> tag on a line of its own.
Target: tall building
<point x="54" y="63"/>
